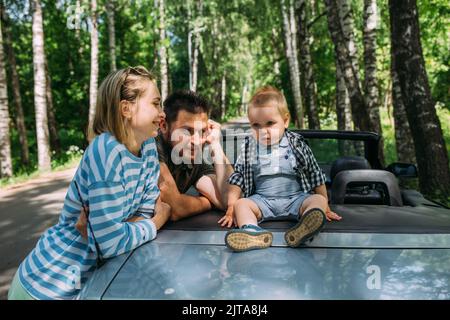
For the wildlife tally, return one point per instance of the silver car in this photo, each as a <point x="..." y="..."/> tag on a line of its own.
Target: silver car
<point x="392" y="243"/>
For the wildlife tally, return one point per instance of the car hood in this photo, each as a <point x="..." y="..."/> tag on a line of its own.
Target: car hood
<point x="196" y="265"/>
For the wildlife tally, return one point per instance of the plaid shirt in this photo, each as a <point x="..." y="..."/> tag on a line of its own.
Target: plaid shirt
<point x="309" y="173"/>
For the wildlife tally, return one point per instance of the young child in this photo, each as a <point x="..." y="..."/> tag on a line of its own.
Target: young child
<point x="276" y="171"/>
<point x="117" y="181"/>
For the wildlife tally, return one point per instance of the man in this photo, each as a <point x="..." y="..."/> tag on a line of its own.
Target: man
<point x="184" y="134"/>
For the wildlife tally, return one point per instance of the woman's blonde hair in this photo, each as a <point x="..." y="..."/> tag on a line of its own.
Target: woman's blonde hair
<point x="268" y="94"/>
<point x="127" y="84"/>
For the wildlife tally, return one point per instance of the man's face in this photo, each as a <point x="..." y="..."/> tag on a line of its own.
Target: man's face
<point x="187" y="133"/>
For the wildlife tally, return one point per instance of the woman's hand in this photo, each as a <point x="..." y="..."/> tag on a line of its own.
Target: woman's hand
<point x="330" y="215"/>
<point x="228" y="219"/>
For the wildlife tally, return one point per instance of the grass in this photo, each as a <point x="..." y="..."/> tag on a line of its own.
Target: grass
<point x="25" y="176"/>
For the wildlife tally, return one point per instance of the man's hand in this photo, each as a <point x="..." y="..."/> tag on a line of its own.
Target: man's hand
<point x="214" y="137"/>
<point x="162" y="213"/>
<point x="228" y="219"/>
<point x="82" y="223"/>
<point x="169" y="192"/>
<point x="330" y="215"/>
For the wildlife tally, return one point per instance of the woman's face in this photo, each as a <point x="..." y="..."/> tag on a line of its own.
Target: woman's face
<point x="147" y="113"/>
<point x="267" y="124"/>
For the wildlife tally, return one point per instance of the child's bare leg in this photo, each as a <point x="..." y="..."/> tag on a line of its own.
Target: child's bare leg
<point x="314" y="201"/>
<point x="246" y="212"/>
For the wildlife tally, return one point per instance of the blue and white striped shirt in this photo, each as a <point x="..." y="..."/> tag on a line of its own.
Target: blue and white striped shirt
<point x="116" y="185"/>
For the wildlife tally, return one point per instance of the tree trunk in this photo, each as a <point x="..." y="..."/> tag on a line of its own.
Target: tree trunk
<point x="19" y="116"/>
<point x="5" y="139"/>
<point x="40" y="102"/>
<point x="343" y="113"/>
<point x="403" y="138"/>
<point x="306" y="68"/>
<point x="343" y="46"/>
<point x="193" y="45"/>
<point x="290" y="37"/>
<point x="243" y="107"/>
<point x="93" y="86"/>
<point x="110" y="7"/>
<point x="370" y="69"/>
<point x="431" y="152"/>
<point x="163" y="52"/>
<point x="223" y="96"/>
<point x="54" y="139"/>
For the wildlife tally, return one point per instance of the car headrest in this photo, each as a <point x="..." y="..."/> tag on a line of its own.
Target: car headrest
<point x="348" y="163"/>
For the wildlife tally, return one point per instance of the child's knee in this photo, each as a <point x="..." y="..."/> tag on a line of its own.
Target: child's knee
<point x="320" y="200"/>
<point x="240" y="204"/>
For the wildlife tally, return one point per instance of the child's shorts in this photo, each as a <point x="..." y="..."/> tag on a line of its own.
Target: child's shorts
<point x="282" y="208"/>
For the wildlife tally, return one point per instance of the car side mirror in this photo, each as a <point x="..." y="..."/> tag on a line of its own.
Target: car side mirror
<point x="403" y="170"/>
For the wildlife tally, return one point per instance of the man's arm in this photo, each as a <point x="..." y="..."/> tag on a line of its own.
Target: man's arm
<point x="222" y="167"/>
<point x="182" y="205"/>
<point x="215" y="186"/>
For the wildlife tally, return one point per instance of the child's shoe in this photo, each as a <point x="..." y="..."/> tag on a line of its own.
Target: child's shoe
<point x="248" y="237"/>
<point x="310" y="224"/>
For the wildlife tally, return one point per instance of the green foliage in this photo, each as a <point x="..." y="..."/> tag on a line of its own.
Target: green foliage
<point x="242" y="39"/>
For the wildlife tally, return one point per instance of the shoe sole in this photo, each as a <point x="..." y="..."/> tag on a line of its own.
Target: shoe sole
<point x="309" y="225"/>
<point x="246" y="240"/>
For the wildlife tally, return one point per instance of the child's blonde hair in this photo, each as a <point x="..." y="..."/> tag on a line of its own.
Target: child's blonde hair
<point x="125" y="84"/>
<point x="267" y="94"/>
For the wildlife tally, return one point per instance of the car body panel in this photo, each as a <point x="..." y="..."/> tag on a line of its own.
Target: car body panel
<point x="196" y="265"/>
<point x="374" y="252"/>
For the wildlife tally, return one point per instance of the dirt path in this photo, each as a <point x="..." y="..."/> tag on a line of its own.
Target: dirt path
<point x="26" y="211"/>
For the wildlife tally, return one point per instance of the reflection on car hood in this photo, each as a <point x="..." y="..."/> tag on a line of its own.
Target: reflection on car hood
<point x="162" y="270"/>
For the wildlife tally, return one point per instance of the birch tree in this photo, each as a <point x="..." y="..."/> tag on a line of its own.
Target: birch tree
<point x="195" y="27"/>
<point x="40" y="102"/>
<point x="309" y="87"/>
<point x="162" y="52"/>
<point x="404" y="143"/>
<point x="110" y="7"/>
<point x="93" y="85"/>
<point x="409" y="65"/>
<point x="370" y="21"/>
<point x="290" y="41"/>
<point x="344" y="46"/>
<point x="5" y="140"/>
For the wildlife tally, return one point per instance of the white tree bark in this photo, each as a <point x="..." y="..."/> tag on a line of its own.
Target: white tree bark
<point x="194" y="43"/>
<point x="40" y="102"/>
<point x="290" y="34"/>
<point x="93" y="86"/>
<point x="163" y="52"/>
<point x="5" y="140"/>
<point x="223" y="96"/>
<point x="307" y="79"/>
<point x="110" y="7"/>
<point x="370" y="21"/>
<point x="244" y="99"/>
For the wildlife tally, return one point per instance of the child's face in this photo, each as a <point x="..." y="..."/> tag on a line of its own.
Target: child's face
<point x="147" y="113"/>
<point x="267" y="123"/>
